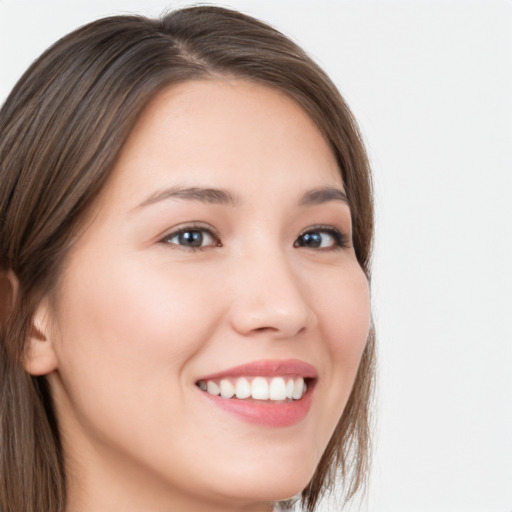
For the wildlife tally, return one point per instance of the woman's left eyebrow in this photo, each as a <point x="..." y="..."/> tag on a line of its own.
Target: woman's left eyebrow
<point x="323" y="195"/>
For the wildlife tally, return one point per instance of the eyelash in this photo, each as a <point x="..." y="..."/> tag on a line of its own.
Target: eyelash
<point x="197" y="229"/>
<point x="340" y="240"/>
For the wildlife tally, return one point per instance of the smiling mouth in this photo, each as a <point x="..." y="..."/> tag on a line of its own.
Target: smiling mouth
<point x="258" y="388"/>
<point x="268" y="393"/>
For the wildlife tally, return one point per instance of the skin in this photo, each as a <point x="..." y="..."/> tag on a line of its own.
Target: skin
<point x="138" y="318"/>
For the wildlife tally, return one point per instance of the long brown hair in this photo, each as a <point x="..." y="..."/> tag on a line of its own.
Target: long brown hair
<point x="61" y="131"/>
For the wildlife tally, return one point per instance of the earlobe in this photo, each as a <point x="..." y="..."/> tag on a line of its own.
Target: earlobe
<point x="40" y="356"/>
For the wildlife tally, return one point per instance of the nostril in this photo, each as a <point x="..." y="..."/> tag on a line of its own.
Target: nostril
<point x="273" y="330"/>
<point x="265" y="329"/>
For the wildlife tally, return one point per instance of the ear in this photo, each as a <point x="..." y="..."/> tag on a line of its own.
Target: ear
<point x="40" y="355"/>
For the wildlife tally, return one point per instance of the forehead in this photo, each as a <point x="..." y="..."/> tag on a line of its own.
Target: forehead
<point x="226" y="132"/>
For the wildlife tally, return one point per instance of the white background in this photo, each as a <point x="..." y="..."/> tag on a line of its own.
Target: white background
<point x="431" y="85"/>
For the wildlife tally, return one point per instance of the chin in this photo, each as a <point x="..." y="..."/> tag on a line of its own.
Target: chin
<point x="274" y="482"/>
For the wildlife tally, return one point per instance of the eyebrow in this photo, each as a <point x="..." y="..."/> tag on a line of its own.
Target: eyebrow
<point x="204" y="195"/>
<point x="323" y="195"/>
<point x="223" y="197"/>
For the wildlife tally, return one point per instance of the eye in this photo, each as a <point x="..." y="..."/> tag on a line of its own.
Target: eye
<point x="322" y="238"/>
<point x="192" y="237"/>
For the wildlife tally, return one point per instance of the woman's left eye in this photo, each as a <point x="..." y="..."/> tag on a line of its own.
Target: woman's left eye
<point x="322" y="238"/>
<point x="192" y="238"/>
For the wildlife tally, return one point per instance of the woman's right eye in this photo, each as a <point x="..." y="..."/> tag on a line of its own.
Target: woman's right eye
<point x="194" y="238"/>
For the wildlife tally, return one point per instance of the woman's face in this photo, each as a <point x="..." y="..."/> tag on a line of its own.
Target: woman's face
<point x="218" y="256"/>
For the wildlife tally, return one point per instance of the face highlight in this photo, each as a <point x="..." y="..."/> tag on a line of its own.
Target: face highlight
<point x="212" y="316"/>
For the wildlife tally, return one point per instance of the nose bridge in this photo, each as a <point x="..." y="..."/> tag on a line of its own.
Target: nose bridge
<point x="269" y="295"/>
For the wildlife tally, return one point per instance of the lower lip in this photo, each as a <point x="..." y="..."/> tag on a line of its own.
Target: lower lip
<point x="265" y="412"/>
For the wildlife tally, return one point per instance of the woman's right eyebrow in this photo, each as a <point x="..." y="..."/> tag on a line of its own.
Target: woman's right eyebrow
<point x="204" y="195"/>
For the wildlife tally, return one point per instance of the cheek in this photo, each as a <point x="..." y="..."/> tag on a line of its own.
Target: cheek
<point x="343" y="307"/>
<point x="350" y="322"/>
<point x="345" y="315"/>
<point x="126" y="338"/>
<point x="134" y="312"/>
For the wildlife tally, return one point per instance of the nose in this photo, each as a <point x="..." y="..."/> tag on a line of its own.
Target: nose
<point x="270" y="298"/>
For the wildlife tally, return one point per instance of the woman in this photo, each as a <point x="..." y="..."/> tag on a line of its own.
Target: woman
<point x="186" y="224"/>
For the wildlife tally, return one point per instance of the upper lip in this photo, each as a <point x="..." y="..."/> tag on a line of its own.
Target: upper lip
<point x="267" y="368"/>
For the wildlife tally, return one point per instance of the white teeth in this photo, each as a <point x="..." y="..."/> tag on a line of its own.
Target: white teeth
<point x="277" y="389"/>
<point x="260" y="388"/>
<point x="227" y="390"/>
<point x="212" y="388"/>
<point x="298" y="388"/>
<point x="289" y="388"/>
<point x="243" y="388"/>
